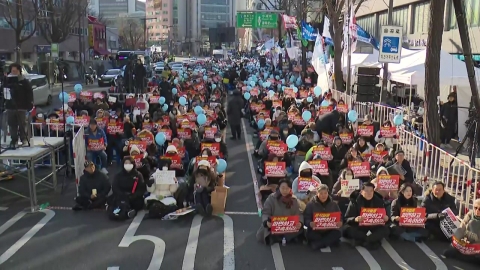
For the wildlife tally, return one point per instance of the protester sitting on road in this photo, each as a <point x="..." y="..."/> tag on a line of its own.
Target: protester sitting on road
<point x="364" y="147"/>
<point x="468" y="233"/>
<point x="282" y="203"/>
<point x="406" y="174"/>
<point x="367" y="121"/>
<point x="353" y="154"/>
<point x="406" y="199"/>
<point x="93" y="189"/>
<point x="96" y="142"/>
<point x="390" y="143"/>
<point x="386" y="194"/>
<point x="305" y="171"/>
<point x="436" y="200"/>
<point x="366" y="198"/>
<point x="202" y="183"/>
<point x="321" y="203"/>
<point x="262" y="150"/>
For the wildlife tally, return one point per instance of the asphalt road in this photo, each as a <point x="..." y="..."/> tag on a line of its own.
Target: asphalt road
<point x="60" y="239"/>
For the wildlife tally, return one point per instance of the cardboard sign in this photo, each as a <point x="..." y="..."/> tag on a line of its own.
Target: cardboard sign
<point x="347" y="138"/>
<point x="372" y="216"/>
<point x="377" y="156"/>
<point x="360" y="169"/>
<point x="218" y="199"/>
<point x="412" y="217"/>
<point x="450" y="223"/>
<point x="326" y="221"/>
<point x="349" y="186"/>
<point x="114" y="128"/>
<point x="465" y="248"/>
<point x="304" y="184"/>
<point x="214" y="147"/>
<point x="164" y="177"/>
<point x="142" y="146"/>
<point x="284" y="224"/>
<point x="319" y="166"/>
<point x="209" y="132"/>
<point x="324" y="152"/>
<point x="275" y="169"/>
<point x="184" y="133"/>
<point x="365" y="131"/>
<point x="96" y="144"/>
<point x="388" y="132"/>
<point x="388" y="182"/>
<point x="278" y="148"/>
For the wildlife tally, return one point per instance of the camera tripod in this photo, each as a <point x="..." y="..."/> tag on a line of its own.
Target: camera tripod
<point x="472" y="146"/>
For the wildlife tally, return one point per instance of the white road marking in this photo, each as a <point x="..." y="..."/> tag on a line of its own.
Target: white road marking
<point x="191" y="249"/>
<point x="439" y="264"/>
<point x="228" y="244"/>
<point x="241" y="213"/>
<point x="250" y="148"/>
<point x="49" y="214"/>
<point x="372" y="263"/>
<point x="326" y="249"/>
<point x="130" y="237"/>
<point x="395" y="256"/>
<point x="337" y="268"/>
<point x="113" y="268"/>
<point x="3" y="208"/>
<point x="277" y="257"/>
<point x="11" y="221"/>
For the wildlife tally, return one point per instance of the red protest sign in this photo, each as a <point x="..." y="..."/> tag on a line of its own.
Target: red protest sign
<point x="360" y="168"/>
<point x="346" y="138"/>
<point x="326" y="221"/>
<point x="82" y="120"/>
<point x="275" y="169"/>
<point x="377" y="156"/>
<point x="114" y="128"/>
<point x="96" y="144"/>
<point x="304" y="184"/>
<point x="327" y="138"/>
<point x="278" y="148"/>
<point x="167" y="132"/>
<point x="372" y="216"/>
<point x="209" y="132"/>
<point x="212" y="160"/>
<point x="324" y="110"/>
<point x="184" y="133"/>
<point x="285" y="224"/>
<point x="388" y="182"/>
<point x="412" y="217"/>
<point x="176" y="161"/>
<point x="214" y="147"/>
<point x="388" y="132"/>
<point x="142" y="145"/>
<point x="366" y="131"/>
<point x="138" y="160"/>
<point x="342" y="108"/>
<point x="146" y="137"/>
<point x="324" y="152"/>
<point x="319" y="166"/>
<point x="464" y="247"/>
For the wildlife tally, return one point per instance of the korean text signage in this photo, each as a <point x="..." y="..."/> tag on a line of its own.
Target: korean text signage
<point x="257" y="20"/>
<point x="390" y="44"/>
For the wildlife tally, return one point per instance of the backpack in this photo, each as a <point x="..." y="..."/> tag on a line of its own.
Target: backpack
<point x="119" y="208"/>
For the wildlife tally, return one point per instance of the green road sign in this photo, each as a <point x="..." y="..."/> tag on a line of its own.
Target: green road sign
<point x="257" y="20"/>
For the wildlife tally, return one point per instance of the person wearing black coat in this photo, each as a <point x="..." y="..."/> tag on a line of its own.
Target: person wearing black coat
<point x="234" y="114"/>
<point x="366" y="198"/>
<point x="449" y="118"/>
<point x="327" y="123"/>
<point x="93" y="189"/>
<point x="140" y="73"/>
<point x="435" y="201"/>
<point x="129" y="185"/>
<point x="407" y="175"/>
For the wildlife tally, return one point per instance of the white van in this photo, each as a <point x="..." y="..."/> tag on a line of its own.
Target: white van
<point x="42" y="93"/>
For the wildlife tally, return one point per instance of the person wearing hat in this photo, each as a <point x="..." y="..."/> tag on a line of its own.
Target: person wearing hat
<point x="262" y="150"/>
<point x="93" y="189"/>
<point x="94" y="133"/>
<point x="406" y="172"/>
<point x="202" y="183"/>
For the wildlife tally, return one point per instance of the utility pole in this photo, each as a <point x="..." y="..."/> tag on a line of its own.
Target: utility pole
<point x="81" y="12"/>
<point x="304" y="49"/>
<point x="349" y="47"/>
<point x="385" y="65"/>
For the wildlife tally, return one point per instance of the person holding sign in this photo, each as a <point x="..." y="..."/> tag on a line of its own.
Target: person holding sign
<point x="435" y="201"/>
<point x="366" y="217"/>
<point x="466" y="242"/>
<point x="280" y="213"/>
<point x="408" y="219"/>
<point x="322" y="217"/>
<point x="390" y="142"/>
<point x="201" y="184"/>
<point x="93" y="189"/>
<point x="96" y="142"/>
<point x="305" y="185"/>
<point x="406" y="173"/>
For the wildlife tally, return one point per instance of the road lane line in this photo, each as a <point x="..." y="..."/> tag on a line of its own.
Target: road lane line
<point x="439" y="264"/>
<point x="12" y="221"/>
<point x="113" y="268"/>
<point x="192" y="244"/>
<point x="49" y="214"/>
<point x="277" y="257"/>
<point x="395" y="256"/>
<point x="3" y="208"/>
<point x="250" y="148"/>
<point x="369" y="259"/>
<point x="326" y="249"/>
<point x="241" y="213"/>
<point x="228" y="244"/>
<point x="130" y="237"/>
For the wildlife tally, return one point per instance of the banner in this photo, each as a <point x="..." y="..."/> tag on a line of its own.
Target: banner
<point x="289" y="22"/>
<point x="79" y="153"/>
<point x="450" y="223"/>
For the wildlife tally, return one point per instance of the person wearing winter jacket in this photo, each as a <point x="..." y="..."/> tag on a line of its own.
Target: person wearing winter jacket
<point x="129" y="185"/>
<point x="390" y="143"/>
<point x="93" y="189"/>
<point x="203" y="182"/>
<point x="387" y="195"/>
<point x="305" y="171"/>
<point x="364" y="147"/>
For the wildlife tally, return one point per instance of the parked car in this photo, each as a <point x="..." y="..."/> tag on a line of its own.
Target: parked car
<point x="109" y="77"/>
<point x="42" y="93"/>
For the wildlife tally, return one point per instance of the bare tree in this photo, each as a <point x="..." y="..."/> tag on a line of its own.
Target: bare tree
<point x="21" y="16"/>
<point x="432" y="71"/>
<point x="99" y="16"/>
<point x="132" y="33"/>
<point x="59" y="17"/>
<point x="335" y="12"/>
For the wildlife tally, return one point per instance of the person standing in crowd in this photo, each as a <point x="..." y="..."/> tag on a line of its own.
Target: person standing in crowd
<point x="19" y="101"/>
<point x="97" y="134"/>
<point x="449" y="119"/>
<point x="93" y="189"/>
<point x="234" y="113"/>
<point x="166" y="90"/>
<point x="140" y="73"/>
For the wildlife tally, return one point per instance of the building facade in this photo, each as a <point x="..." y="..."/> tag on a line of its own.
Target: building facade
<point x="111" y="8"/>
<point x="97" y="37"/>
<point x="414" y="15"/>
<point x="159" y="14"/>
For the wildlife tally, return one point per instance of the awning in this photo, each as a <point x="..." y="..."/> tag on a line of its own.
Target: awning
<point x="101" y="51"/>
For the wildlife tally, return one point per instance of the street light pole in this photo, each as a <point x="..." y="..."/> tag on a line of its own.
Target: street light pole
<point x="385" y="65"/>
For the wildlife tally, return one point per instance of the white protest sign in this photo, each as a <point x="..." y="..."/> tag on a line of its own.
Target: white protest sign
<point x="164" y="177"/>
<point x="450" y="223"/>
<point x="348" y="186"/>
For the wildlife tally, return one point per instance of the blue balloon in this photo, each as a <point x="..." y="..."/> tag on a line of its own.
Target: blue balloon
<point x="292" y="141"/>
<point x="317" y="91"/>
<point x="306" y="115"/>
<point x="161" y="100"/>
<point x="201" y="119"/>
<point x="282" y="81"/>
<point x="198" y="110"/>
<point x="283" y="87"/>
<point x="70" y="120"/>
<point x="309" y="99"/>
<point x="271" y="93"/>
<point x="214" y="86"/>
<point x="78" y="88"/>
<point x="352" y="116"/>
<point x="295" y="89"/>
<point x="165" y="107"/>
<point x="160" y="138"/>
<point x="63" y="97"/>
<point x="277" y="77"/>
<point x="221" y="166"/>
<point x="268" y="84"/>
<point x="261" y="123"/>
<point x="279" y="86"/>
<point x="205" y="77"/>
<point x="247" y="96"/>
<point x="174" y="91"/>
<point x="324" y="103"/>
<point x="176" y="80"/>
<point x="249" y="88"/>
<point x="398" y="120"/>
<point x="252" y="83"/>
<point x="182" y="101"/>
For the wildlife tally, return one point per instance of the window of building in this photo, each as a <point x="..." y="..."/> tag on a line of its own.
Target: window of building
<point x="164" y="12"/>
<point x="165" y="20"/>
<point x="421" y="18"/>
<point x="400" y="18"/>
<point x="26" y="55"/>
<point x="472" y="14"/>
